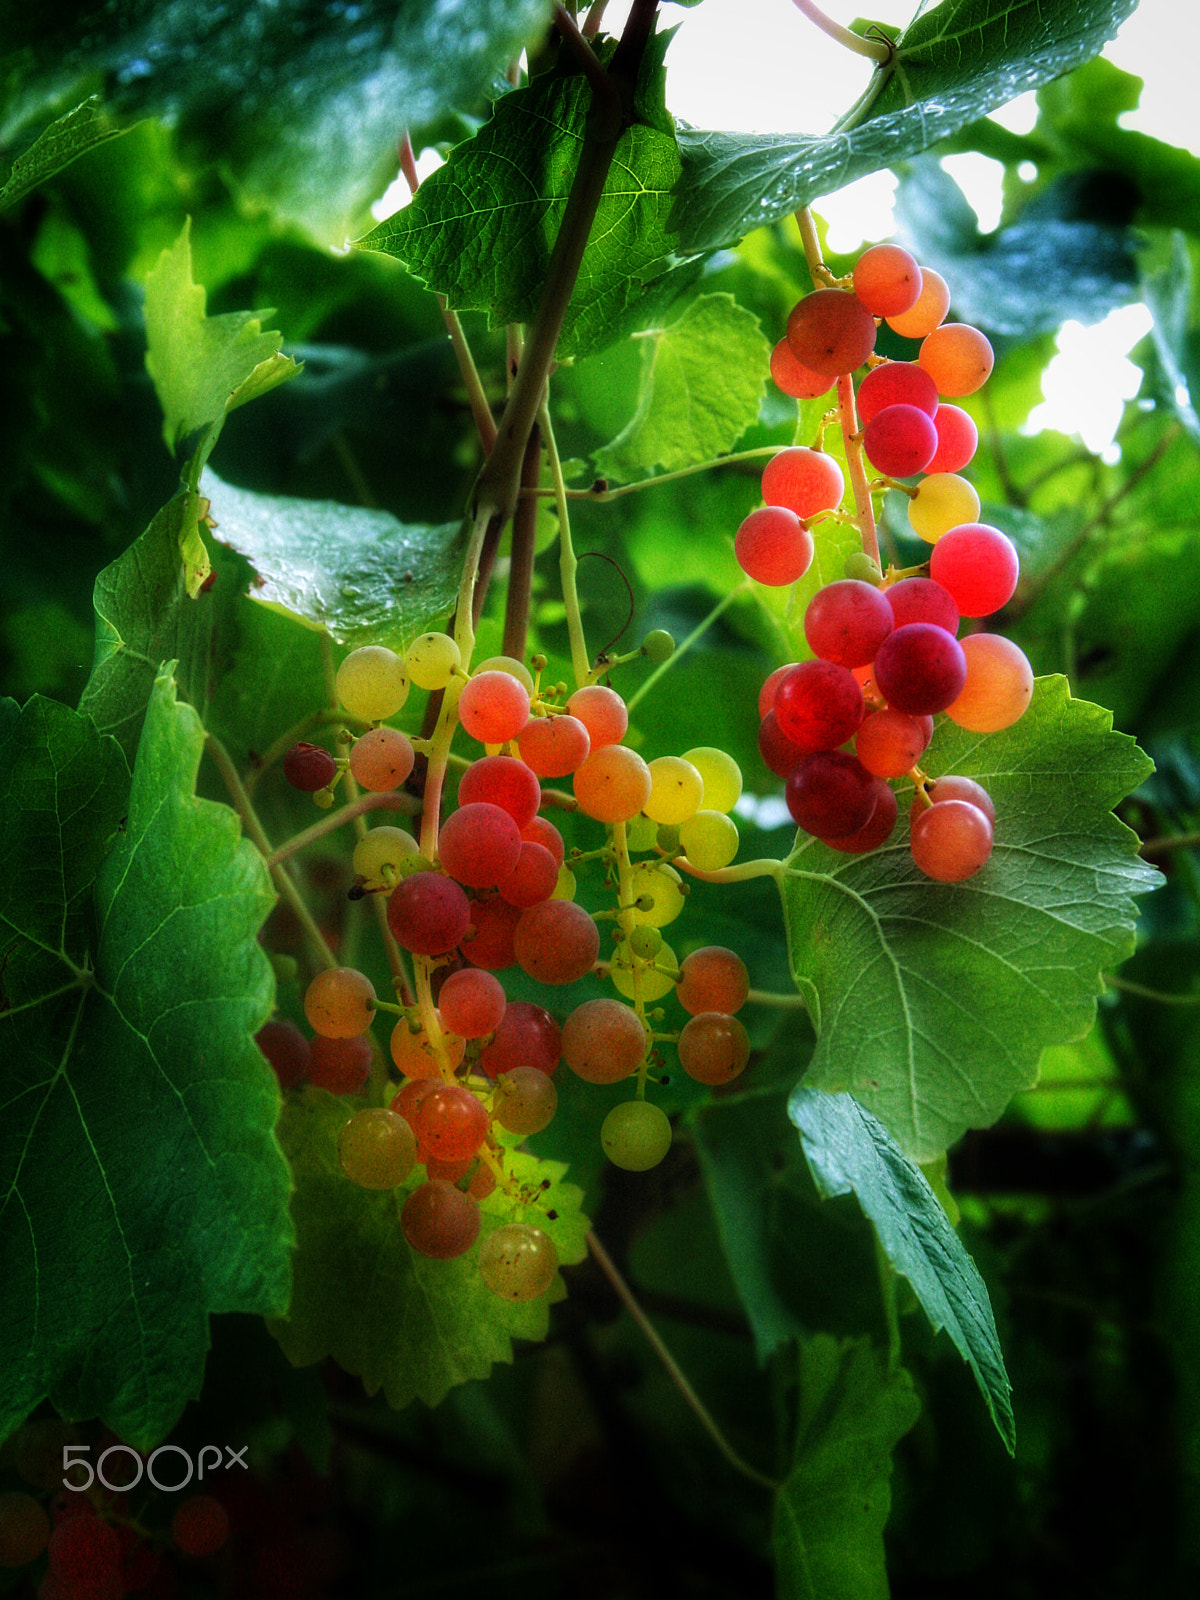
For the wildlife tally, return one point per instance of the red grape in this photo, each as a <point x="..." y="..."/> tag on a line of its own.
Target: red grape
<point x="528" y="1036"/>
<point x="533" y="877"/>
<point x="887" y="280"/>
<point x="831" y="332"/>
<point x="956" y="788"/>
<point x="505" y="782"/>
<point x="556" y="942"/>
<point x="873" y="833"/>
<point x="900" y="440"/>
<point x="554" y="746"/>
<point x="920" y="668"/>
<point x="889" y="742"/>
<point x="341" y="1066"/>
<point x="831" y="794"/>
<point x="602" y="712"/>
<point x="772" y="547"/>
<point x="999" y="684"/>
<point x="490" y="944"/>
<point x="805" y="481"/>
<point x="286" y="1048"/>
<point x="979" y="567"/>
<point x="794" y="379"/>
<point x="713" y="1048"/>
<point x="950" y="840"/>
<point x="308" y="767"/>
<point x="428" y="913"/>
<point x="439" y="1220"/>
<point x="958" y="438"/>
<point x="922" y="600"/>
<point x="896" y="383"/>
<point x="200" y="1525"/>
<point x="494" y="707"/>
<point x="472" y="1003"/>
<point x="847" y="621"/>
<point x="603" y="1041"/>
<point x="479" y="844"/>
<point x="818" y="705"/>
<point x="713" y="979"/>
<point x="779" y="752"/>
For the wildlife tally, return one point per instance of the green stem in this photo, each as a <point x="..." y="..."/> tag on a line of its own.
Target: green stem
<point x="1169" y="841"/>
<point x="244" y="807"/>
<point x="743" y="872"/>
<point x="1144" y="993"/>
<point x="878" y="50"/>
<point x="891" y="1312"/>
<point x="338" y="819"/>
<point x="674" y="1371"/>
<point x="567" y="562"/>
<point x="697" y="632"/>
<point x="602" y="497"/>
<point x="783" y="1002"/>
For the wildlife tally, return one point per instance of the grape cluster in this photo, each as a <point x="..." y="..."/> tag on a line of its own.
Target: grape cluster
<point x="886" y="657"/>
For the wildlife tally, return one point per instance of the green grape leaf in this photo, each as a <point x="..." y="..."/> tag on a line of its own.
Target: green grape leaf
<point x="702" y="383"/>
<point x="143" y="618"/>
<point x="831" y="1509"/>
<point x="480" y="230"/>
<point x="850" y="1152"/>
<point x="130" y="1082"/>
<point x="403" y="1323"/>
<point x="64" y="141"/>
<point x="933" y="1002"/>
<point x="362" y="575"/>
<point x="953" y="65"/>
<point x="301" y="101"/>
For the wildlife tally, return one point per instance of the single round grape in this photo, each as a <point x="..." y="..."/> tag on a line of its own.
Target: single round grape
<point x="451" y="1122"/>
<point x="381" y="759"/>
<point x="710" y="840"/>
<point x="85" y="1557"/>
<point x="518" y="1261"/>
<point x="649" y="979"/>
<point x="380" y="848"/>
<point x="554" y="747"/>
<point x="377" y="1149"/>
<point x="896" y="383"/>
<point x="889" y="743"/>
<point x="766" y="695"/>
<point x="340" y="1002"/>
<point x="505" y="782"/>
<point x="873" y="832"/>
<point x="602" y="712"/>
<point x="428" y="914"/>
<point x="658" y="646"/>
<point x="900" y="441"/>
<point x="830" y="794"/>
<point x="920" y="668"/>
<point x="635" y="1135"/>
<point x="286" y="1048"/>
<point x="525" y="1101"/>
<point x="656" y="893"/>
<point x="950" y="840"/>
<point x="432" y="659"/>
<point x="979" y="567"/>
<point x="566" y="886"/>
<point x="415" y="1057"/>
<point x="999" y="684"/>
<point x="439" y="1220"/>
<point x="371" y="683"/>
<point x="556" y="942"/>
<point x="958" y="358"/>
<point x="309" y="767"/>
<point x="479" y="844"/>
<point x="721" y="775"/>
<point x="922" y="600"/>
<point x="941" y="502"/>
<point x="958" y="439"/>
<point x="713" y="979"/>
<point x="956" y="788"/>
<point x="713" y="1048"/>
<point x="489" y="943"/>
<point x="805" y="481"/>
<point x="541" y="831"/>
<point x="493" y="707"/>
<point x="793" y="378"/>
<point x="24" y="1528"/>
<point x="928" y="311"/>
<point x="340" y="1066"/>
<point x="533" y="878"/>
<point x="613" y="784"/>
<point x="858" y="564"/>
<point x="645" y="943"/>
<point x="471" y="1003"/>
<point x="887" y="280"/>
<point x="528" y="1036"/>
<point x="772" y="547"/>
<point x="818" y="705"/>
<point x="847" y="621"/>
<point x="676" y="790"/>
<point x="603" y="1041"/>
<point x="831" y="331"/>
<point x="509" y="664"/>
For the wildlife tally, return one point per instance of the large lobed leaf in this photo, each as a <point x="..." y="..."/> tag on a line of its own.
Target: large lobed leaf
<point x="932" y="1002"/>
<point x="142" y="1185"/>
<point x="831" y="1509"/>
<point x="850" y="1152"/>
<point x="403" y="1323"/>
<point x="953" y="65"/>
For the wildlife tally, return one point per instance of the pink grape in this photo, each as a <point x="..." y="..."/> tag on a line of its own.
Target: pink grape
<point x="494" y="707"/>
<point x="603" y="1041"/>
<point x="896" y="383"/>
<point x="958" y="439"/>
<point x="900" y="440"/>
<point x="978" y="566"/>
<point x="950" y="840"/>
<point x="504" y="782"/>
<point x="602" y="712"/>
<point x="805" y="481"/>
<point x="772" y="547"/>
<point x="847" y="621"/>
<point x="381" y="759"/>
<point x="794" y="379"/>
<point x="428" y="913"/>
<point x="956" y="788"/>
<point x="541" y="831"/>
<point x="922" y="600"/>
<point x="713" y="1048"/>
<point x="471" y="1003"/>
<point x="532" y="879"/>
<point x="920" y="668"/>
<point x="831" y="794"/>
<point x="554" y="746"/>
<point x="712" y="979"/>
<point x="818" y="705"/>
<point x="958" y="358"/>
<point x="889" y="743"/>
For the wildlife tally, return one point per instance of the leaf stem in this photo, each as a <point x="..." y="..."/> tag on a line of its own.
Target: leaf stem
<point x="1169" y="841"/>
<point x="1127" y="986"/>
<point x="769" y="997"/>
<point x="568" y="563"/>
<point x="674" y="1371"/>
<point x="880" y="51"/>
<point x="337" y="819"/>
<point x="743" y="872"/>
<point x="602" y="496"/>
<point x="697" y="633"/>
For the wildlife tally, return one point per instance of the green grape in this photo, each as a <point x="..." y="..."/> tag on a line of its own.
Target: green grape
<point x="655" y="889"/>
<point x="667" y="837"/>
<point x="635" y="1135"/>
<point x="710" y="840"/>
<point x="645" y="943"/>
<point x="721" y="774"/>
<point x="676" y="789"/>
<point x="510" y="664"/>
<point x="564" y="888"/>
<point x="518" y="1262"/>
<point x="641" y="834"/>
<point x="860" y="565"/>
<point x="657" y="978"/>
<point x="525" y="1100"/>
<point x="377" y="1149"/>
<point x="658" y="646"/>
<point x="372" y="683"/>
<point x="382" y="847"/>
<point x="432" y="659"/>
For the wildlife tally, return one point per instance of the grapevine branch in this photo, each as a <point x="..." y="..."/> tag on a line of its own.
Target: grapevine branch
<point x="881" y="51"/>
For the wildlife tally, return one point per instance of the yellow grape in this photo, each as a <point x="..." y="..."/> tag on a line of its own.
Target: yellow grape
<point x="710" y="840"/>
<point x="999" y="684"/>
<point x="655" y="978"/>
<point x="635" y="1135"/>
<point x="943" y="501"/>
<point x="661" y="885"/>
<point x="431" y="660"/>
<point x="510" y="664"/>
<point x="676" y="790"/>
<point x="377" y="1149"/>
<point x="518" y="1261"/>
<point x="340" y="1003"/>
<point x="382" y="847"/>
<point x="721" y="774"/>
<point x="372" y="683"/>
